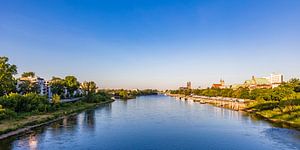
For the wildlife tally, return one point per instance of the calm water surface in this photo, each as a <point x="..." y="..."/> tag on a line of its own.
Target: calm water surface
<point x="157" y="122"/>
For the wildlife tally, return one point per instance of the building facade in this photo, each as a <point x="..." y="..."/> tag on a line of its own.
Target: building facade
<point x="275" y="79"/>
<point x="220" y="85"/>
<point x="189" y="85"/>
<point x="257" y="83"/>
<point x="41" y="83"/>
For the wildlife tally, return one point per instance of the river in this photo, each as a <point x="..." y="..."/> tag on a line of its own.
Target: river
<point x="157" y="122"/>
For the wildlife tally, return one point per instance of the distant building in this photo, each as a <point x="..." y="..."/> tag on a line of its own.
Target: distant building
<point x="258" y="83"/>
<point x="220" y="85"/>
<point x="188" y="86"/>
<point x="275" y="79"/>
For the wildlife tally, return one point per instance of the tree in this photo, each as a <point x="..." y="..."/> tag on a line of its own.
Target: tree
<point x="57" y="86"/>
<point x="26" y="86"/>
<point x="7" y="80"/>
<point x="241" y="93"/>
<point x="123" y="94"/>
<point x="55" y="99"/>
<point x="89" y="87"/>
<point x="295" y="83"/>
<point x="71" y="84"/>
<point x="281" y="92"/>
<point x="28" y="74"/>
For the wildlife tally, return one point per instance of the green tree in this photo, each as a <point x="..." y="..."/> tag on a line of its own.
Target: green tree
<point x="26" y="86"/>
<point x="295" y="83"/>
<point x="71" y="84"/>
<point x="7" y="80"/>
<point x="241" y="93"/>
<point x="57" y="86"/>
<point x="281" y="92"/>
<point x="89" y="87"/>
<point x="28" y="74"/>
<point x="124" y="94"/>
<point x="55" y="99"/>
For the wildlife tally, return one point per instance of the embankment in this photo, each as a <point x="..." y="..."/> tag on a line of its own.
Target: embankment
<point x="19" y="125"/>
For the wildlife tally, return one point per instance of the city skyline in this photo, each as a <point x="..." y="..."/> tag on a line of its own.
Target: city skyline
<point x="146" y="44"/>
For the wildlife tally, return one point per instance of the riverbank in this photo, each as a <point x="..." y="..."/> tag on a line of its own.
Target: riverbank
<point x="27" y="122"/>
<point x="131" y="94"/>
<point x="230" y="103"/>
<point x="277" y="122"/>
<point x="279" y="117"/>
<point x="284" y="117"/>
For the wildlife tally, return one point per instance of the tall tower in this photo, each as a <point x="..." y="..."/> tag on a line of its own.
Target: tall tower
<point x="222" y="82"/>
<point x="189" y="85"/>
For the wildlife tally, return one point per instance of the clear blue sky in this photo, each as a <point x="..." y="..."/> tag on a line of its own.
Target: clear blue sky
<point x="152" y="43"/>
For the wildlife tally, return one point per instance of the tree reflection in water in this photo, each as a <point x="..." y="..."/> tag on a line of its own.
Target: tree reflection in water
<point x="89" y="119"/>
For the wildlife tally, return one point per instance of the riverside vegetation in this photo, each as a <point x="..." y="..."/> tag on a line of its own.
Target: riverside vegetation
<point x="25" y="106"/>
<point x="280" y="104"/>
<point x="37" y="109"/>
<point x="131" y="94"/>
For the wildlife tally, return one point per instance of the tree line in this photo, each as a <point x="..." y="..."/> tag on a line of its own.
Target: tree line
<point x="282" y="102"/>
<point x="131" y="94"/>
<point x="290" y="89"/>
<point x="23" y="96"/>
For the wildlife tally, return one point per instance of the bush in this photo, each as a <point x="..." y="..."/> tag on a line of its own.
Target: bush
<point x="11" y="101"/>
<point x="24" y="103"/>
<point x="95" y="98"/>
<point x="291" y="102"/>
<point x="264" y="105"/>
<point x="33" y="102"/>
<point x="6" y="113"/>
<point x="56" y="99"/>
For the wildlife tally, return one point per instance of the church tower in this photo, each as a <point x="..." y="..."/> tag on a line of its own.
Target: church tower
<point x="222" y="82"/>
<point x="189" y="85"/>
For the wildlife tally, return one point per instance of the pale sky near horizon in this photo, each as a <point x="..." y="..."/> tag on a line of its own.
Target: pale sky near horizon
<point x="152" y="44"/>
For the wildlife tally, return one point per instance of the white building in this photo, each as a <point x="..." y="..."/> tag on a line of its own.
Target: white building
<point x="275" y="79"/>
<point x="43" y="89"/>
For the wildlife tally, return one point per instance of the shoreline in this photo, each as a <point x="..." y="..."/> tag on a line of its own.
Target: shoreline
<point x="49" y="118"/>
<point x="278" y="122"/>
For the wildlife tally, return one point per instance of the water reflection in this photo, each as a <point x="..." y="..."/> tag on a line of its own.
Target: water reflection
<point x="68" y="123"/>
<point x="32" y="142"/>
<point x="89" y="119"/>
<point x="157" y="122"/>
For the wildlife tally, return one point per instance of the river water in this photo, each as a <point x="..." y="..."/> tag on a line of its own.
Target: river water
<point x="157" y="122"/>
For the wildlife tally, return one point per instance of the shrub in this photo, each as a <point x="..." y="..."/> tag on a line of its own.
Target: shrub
<point x="11" y="101"/>
<point x="95" y="98"/>
<point x="26" y="103"/>
<point x="6" y="113"/>
<point x="56" y="99"/>
<point x="33" y="101"/>
<point x="264" y="105"/>
<point x="293" y="102"/>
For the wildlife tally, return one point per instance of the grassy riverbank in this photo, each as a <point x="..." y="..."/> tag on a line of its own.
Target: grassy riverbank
<point x="29" y="119"/>
<point x="285" y="112"/>
<point x="279" y="104"/>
